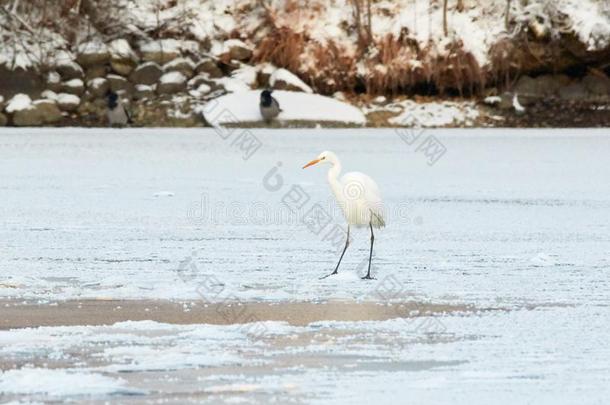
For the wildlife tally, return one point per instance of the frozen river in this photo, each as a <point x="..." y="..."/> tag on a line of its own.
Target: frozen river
<point x="513" y="222"/>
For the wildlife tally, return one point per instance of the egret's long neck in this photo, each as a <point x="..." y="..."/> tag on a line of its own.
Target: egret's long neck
<point x="333" y="178"/>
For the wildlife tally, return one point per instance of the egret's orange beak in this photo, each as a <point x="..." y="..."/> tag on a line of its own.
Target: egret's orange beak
<point x="313" y="162"/>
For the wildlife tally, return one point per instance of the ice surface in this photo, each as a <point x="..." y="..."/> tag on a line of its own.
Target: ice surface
<point x="244" y="107"/>
<point x="513" y="219"/>
<point x="58" y="383"/>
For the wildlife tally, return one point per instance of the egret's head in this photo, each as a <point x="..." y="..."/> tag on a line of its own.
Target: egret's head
<point x="324" y="157"/>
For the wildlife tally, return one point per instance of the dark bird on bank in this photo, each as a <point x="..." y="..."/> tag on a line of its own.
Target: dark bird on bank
<point x="116" y="112"/>
<point x="269" y="106"/>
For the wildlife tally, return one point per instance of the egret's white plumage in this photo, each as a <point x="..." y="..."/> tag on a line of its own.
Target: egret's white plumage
<point x="357" y="195"/>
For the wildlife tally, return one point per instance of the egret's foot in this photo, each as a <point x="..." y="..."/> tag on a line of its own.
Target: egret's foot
<point x="368" y="277"/>
<point x="328" y="275"/>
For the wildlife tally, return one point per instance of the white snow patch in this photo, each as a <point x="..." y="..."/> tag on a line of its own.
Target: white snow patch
<point x="19" y="102"/>
<point x="173" y="77"/>
<point x="58" y="382"/>
<point x="433" y="114"/>
<point x="49" y="94"/>
<point x="492" y="100"/>
<point x="96" y="83"/>
<point x="244" y="107"/>
<point x="289" y="78"/>
<point x="74" y="83"/>
<point x="66" y="98"/>
<point x="53" y="77"/>
<point x="246" y="74"/>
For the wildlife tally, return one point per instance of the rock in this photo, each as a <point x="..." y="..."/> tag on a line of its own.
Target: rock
<point x="210" y="67"/>
<point x="119" y="83"/>
<point x="74" y="86"/>
<point x="182" y="65"/>
<point x="38" y="113"/>
<point x="237" y="50"/>
<point x="70" y="70"/>
<point x="161" y="51"/>
<point x="94" y="72"/>
<point x="143" y="91"/>
<point x="92" y="53"/>
<point x="147" y="73"/>
<point x="574" y="92"/>
<point x="172" y="82"/>
<point x="15" y="81"/>
<point x="123" y="67"/>
<point x="123" y="59"/>
<point x="3" y="120"/>
<point x="67" y="102"/>
<point x="506" y="101"/>
<point x="98" y="87"/>
<point x="53" y="80"/>
<point x="48" y="110"/>
<point x="597" y="86"/>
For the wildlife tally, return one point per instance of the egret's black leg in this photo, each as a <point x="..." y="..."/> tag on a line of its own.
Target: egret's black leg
<point x="368" y="274"/>
<point x="340" y="258"/>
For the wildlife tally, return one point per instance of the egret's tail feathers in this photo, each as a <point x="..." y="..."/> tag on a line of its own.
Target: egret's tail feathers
<point x="377" y="220"/>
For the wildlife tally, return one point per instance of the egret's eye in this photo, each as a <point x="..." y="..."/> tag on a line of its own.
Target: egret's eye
<point x="323" y="157"/>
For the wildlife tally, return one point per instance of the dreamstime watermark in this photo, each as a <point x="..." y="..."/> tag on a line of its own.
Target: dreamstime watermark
<point x="292" y="210"/>
<point x="413" y="134"/>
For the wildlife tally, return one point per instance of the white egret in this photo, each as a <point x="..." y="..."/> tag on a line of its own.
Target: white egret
<point x="359" y="198"/>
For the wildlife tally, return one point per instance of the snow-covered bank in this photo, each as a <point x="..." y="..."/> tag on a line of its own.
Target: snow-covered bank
<point x="242" y="107"/>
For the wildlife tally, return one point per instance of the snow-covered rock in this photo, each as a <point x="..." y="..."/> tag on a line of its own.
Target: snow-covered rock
<point x="143" y="91"/>
<point x="243" y="107"/>
<point x="209" y="66"/>
<point x="182" y="65"/>
<point x="123" y="59"/>
<point x="232" y="49"/>
<point x="161" y="51"/>
<point x="172" y="82"/>
<point x="70" y="70"/>
<point x="98" y="86"/>
<point x="283" y="79"/>
<point x="92" y="53"/>
<point x="18" y="102"/>
<point x="147" y="73"/>
<point x="53" y="80"/>
<point x="26" y="113"/>
<point x="68" y="102"/>
<point x="74" y="86"/>
<point x="119" y="83"/>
